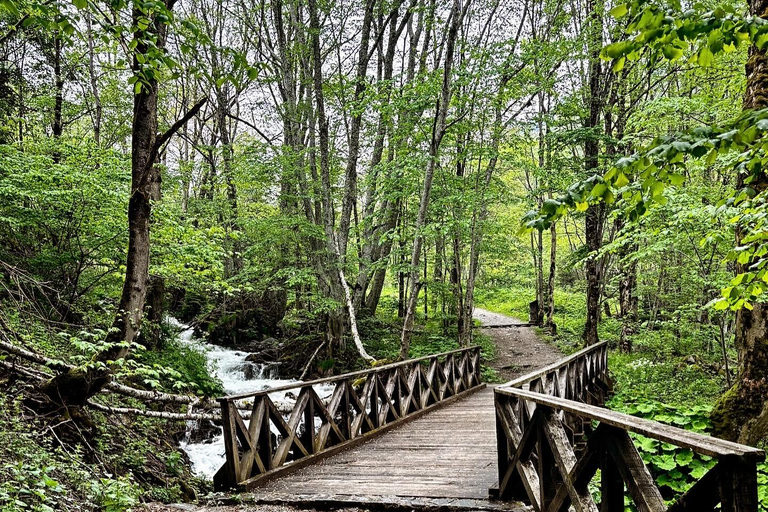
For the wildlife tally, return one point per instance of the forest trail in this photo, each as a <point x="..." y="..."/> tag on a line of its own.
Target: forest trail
<point x="447" y="459"/>
<point x="519" y="350"/>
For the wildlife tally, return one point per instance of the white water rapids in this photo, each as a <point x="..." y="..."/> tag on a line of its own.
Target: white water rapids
<point x="238" y="376"/>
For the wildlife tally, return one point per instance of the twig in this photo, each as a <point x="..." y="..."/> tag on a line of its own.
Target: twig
<point x="306" y="368"/>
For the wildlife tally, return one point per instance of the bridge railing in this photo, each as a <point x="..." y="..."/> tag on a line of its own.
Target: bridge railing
<point x="551" y="444"/>
<point x="361" y="405"/>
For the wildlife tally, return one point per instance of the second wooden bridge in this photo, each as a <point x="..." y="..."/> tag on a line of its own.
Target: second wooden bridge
<point x="534" y="443"/>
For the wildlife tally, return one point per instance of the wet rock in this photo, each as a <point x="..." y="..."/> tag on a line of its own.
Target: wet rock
<point x="250" y="371"/>
<point x="203" y="431"/>
<point x="247" y="319"/>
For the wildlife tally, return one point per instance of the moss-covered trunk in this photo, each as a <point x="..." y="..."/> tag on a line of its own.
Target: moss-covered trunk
<point x="741" y="414"/>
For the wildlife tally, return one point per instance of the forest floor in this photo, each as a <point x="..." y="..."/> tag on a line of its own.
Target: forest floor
<point x="519" y="350"/>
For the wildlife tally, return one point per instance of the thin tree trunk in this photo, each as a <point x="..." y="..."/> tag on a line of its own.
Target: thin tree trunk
<point x="97" y="108"/>
<point x="350" y="183"/>
<point x="595" y="215"/>
<point x="335" y="322"/>
<point x="438" y="132"/>
<point x="58" y="125"/>
<point x="550" y="324"/>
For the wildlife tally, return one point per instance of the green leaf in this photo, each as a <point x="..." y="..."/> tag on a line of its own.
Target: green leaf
<point x="706" y="58"/>
<point x="619" y="11"/>
<point x="10" y="6"/>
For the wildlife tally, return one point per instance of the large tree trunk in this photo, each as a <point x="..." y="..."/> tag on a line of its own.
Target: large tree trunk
<point x="741" y="414"/>
<point x="76" y="386"/>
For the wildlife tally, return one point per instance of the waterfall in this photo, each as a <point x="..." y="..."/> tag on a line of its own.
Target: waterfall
<point x="238" y="376"/>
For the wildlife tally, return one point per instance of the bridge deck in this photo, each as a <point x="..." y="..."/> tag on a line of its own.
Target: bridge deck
<point x="445" y="458"/>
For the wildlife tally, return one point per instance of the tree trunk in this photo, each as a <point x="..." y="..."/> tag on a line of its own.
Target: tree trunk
<point x="438" y="132"/>
<point x="58" y="126"/>
<point x="97" y="108"/>
<point x="350" y="183"/>
<point x="595" y="215"/>
<point x="550" y="324"/>
<point x="76" y="386"/>
<point x="741" y="414"/>
<point x="339" y="289"/>
<point x="153" y="313"/>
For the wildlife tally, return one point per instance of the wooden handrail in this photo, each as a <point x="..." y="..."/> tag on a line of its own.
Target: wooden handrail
<point x="552" y="438"/>
<point x="273" y="443"/>
<point x="345" y="376"/>
<point x="699" y="443"/>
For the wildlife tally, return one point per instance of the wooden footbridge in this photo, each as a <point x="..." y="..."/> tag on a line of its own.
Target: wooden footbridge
<point x="533" y="443"/>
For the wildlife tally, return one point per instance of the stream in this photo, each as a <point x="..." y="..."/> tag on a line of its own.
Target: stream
<point x="238" y="376"/>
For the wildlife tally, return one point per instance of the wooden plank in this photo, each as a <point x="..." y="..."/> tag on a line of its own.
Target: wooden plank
<point x="232" y="465"/>
<point x="738" y="490"/>
<point x="611" y="484"/>
<point x="286" y="470"/>
<point x="565" y="459"/>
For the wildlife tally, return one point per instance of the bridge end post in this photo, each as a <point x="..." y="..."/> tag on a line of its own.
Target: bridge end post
<point x="227" y="477"/>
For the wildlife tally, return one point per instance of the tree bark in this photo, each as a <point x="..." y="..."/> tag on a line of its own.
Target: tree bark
<point x="76" y="386"/>
<point x="350" y="183"/>
<point x="550" y="324"/>
<point x="741" y="414"/>
<point x="595" y="215"/>
<point x="58" y="124"/>
<point x="97" y="108"/>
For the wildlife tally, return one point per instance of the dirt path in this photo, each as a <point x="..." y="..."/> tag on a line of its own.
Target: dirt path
<point x="518" y="349"/>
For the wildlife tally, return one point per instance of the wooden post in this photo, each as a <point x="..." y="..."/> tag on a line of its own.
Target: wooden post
<point x="738" y="487"/>
<point x="502" y="449"/>
<point x="549" y="477"/>
<point x="264" y="446"/>
<point x="232" y="463"/>
<point x="308" y="439"/>
<point x="611" y="484"/>
<point x="375" y="407"/>
<point x="346" y="420"/>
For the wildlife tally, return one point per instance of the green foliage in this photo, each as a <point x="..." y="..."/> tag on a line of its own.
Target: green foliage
<point x="677" y="469"/>
<point x="28" y="487"/>
<point x="189" y="364"/>
<point x="115" y="495"/>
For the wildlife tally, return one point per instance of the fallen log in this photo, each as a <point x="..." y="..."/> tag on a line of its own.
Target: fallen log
<point x="192" y="401"/>
<point x="131" y="411"/>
